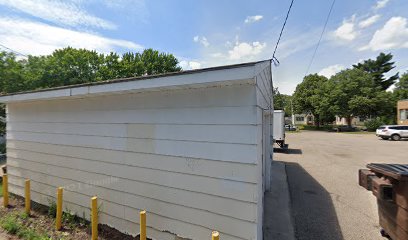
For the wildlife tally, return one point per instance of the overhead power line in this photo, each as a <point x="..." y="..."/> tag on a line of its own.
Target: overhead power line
<point x="320" y="39"/>
<point x="14" y="51"/>
<point x="274" y="59"/>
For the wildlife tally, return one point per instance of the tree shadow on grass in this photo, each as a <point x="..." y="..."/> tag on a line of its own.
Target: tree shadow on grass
<point x="313" y="212"/>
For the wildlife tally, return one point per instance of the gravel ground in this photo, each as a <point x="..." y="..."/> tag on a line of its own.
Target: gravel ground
<point x="322" y="168"/>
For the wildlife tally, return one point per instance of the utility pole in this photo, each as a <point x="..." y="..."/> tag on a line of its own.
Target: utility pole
<point x="293" y="115"/>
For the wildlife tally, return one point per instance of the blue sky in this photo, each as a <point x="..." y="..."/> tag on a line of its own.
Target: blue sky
<point x="215" y="32"/>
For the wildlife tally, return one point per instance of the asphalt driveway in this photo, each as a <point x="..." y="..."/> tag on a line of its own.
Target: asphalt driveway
<point x="322" y="170"/>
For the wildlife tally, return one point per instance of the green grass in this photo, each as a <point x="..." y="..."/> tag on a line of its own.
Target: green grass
<point x="14" y="225"/>
<point x="10" y="224"/>
<point x="1" y="188"/>
<point x="52" y="209"/>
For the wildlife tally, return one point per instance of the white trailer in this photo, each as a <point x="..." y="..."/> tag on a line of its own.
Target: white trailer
<point x="279" y="128"/>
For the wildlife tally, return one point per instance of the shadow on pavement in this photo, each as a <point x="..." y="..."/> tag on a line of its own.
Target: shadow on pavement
<point x="288" y="150"/>
<point x="313" y="212"/>
<point x="388" y="140"/>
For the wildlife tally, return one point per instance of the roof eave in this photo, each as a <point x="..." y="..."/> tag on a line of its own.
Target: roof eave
<point x="242" y="74"/>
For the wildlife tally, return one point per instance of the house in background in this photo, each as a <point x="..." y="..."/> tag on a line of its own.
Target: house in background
<point x="402" y="112"/>
<point x="304" y="119"/>
<point x="355" y="121"/>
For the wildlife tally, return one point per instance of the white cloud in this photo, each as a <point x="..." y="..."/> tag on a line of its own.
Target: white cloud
<point x="194" y="65"/>
<point x="37" y="38"/>
<point x="381" y="4"/>
<point x="346" y="31"/>
<point x="189" y="65"/>
<point x="246" y="50"/>
<point x="393" y="35"/>
<point x="131" y="9"/>
<point x="203" y="40"/>
<point x="217" y="55"/>
<point x="369" y="21"/>
<point x="61" y="12"/>
<point x="331" y="70"/>
<point x="252" y="19"/>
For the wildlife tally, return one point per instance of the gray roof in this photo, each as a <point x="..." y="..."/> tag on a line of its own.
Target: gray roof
<point x="139" y="78"/>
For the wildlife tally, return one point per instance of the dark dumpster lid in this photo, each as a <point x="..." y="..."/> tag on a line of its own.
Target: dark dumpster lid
<point x="396" y="171"/>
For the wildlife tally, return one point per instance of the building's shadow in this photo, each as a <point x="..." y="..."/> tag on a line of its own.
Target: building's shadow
<point x="312" y="208"/>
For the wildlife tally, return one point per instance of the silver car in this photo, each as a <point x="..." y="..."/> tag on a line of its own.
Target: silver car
<point x="394" y="132"/>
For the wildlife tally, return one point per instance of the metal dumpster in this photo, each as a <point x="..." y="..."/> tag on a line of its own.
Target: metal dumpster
<point x="389" y="184"/>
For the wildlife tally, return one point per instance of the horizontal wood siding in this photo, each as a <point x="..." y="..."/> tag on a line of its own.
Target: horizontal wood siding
<point x="190" y="158"/>
<point x="263" y="76"/>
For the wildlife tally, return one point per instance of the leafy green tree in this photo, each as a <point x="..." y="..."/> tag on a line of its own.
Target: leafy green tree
<point x="156" y="63"/>
<point x="11" y="77"/>
<point x="309" y="98"/>
<point x="401" y="87"/>
<point x="70" y="66"/>
<point x="63" y="67"/>
<point x="282" y="102"/>
<point x="354" y="93"/>
<point x="110" y="67"/>
<point x="377" y="68"/>
<point x="403" y="82"/>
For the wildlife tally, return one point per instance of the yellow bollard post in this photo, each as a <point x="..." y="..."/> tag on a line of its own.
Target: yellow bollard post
<point x="94" y="217"/>
<point x="59" y="209"/>
<point x="215" y="235"/>
<point x="27" y="197"/>
<point x="142" y="225"/>
<point x="5" y="191"/>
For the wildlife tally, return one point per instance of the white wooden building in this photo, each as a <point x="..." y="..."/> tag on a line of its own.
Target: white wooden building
<point x="191" y="148"/>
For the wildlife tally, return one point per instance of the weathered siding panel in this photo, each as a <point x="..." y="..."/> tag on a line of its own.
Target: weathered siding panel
<point x="76" y="157"/>
<point x="208" y="115"/>
<point x="225" y="188"/>
<point x="190" y="158"/>
<point x="243" y="134"/>
<point x="209" y="150"/>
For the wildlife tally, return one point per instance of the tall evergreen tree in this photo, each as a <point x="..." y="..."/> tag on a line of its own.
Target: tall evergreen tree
<point x="377" y="68"/>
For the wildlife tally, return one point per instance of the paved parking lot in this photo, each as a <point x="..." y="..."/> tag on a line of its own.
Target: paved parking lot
<point x="322" y="169"/>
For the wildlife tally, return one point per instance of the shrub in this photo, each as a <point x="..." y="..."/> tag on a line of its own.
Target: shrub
<point x="373" y="124"/>
<point x="313" y="127"/>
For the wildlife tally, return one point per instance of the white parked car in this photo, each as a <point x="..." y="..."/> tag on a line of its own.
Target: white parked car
<point x="395" y="132"/>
